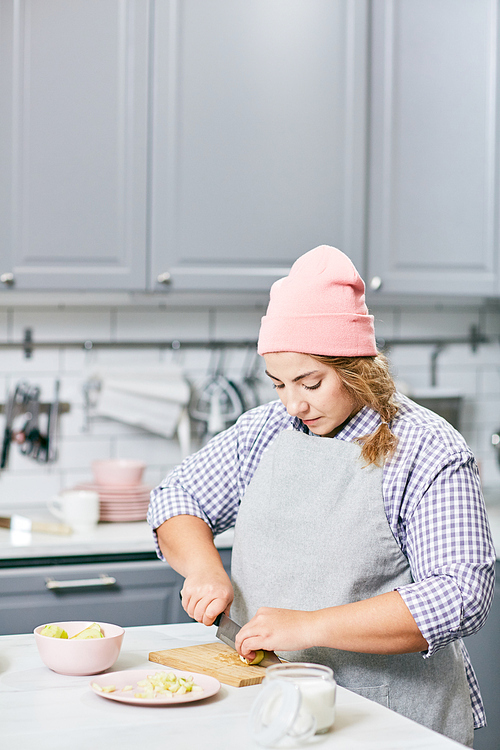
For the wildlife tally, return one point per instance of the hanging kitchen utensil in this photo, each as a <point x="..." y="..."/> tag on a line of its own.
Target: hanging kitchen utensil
<point x="16" y="398"/>
<point x="219" y="403"/>
<point x="31" y="430"/>
<point x="249" y="384"/>
<point x="7" y="434"/>
<point x="47" y="441"/>
<point x="52" y="425"/>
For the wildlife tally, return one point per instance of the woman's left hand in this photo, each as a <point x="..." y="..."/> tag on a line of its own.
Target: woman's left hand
<point x="382" y="624"/>
<point x="275" y="629"/>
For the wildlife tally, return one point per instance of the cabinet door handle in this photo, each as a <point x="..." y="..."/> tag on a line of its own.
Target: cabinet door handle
<point x="81" y="583"/>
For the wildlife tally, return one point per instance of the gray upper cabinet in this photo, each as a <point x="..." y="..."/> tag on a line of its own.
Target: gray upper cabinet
<point x="433" y="200"/>
<point x="158" y="145"/>
<point x="258" y="138"/>
<point x="73" y="143"/>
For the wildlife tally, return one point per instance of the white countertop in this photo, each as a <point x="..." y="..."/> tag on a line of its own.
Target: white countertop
<point x="133" y="537"/>
<point x="106" y="538"/>
<point x="42" y="710"/>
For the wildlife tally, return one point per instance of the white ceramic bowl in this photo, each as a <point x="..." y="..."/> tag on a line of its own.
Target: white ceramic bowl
<point x="121" y="472"/>
<point x="79" y="657"/>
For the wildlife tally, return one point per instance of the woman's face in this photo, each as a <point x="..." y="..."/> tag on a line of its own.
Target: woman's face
<point x="311" y="391"/>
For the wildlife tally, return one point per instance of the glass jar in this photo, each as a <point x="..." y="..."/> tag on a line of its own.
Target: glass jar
<point x="297" y="700"/>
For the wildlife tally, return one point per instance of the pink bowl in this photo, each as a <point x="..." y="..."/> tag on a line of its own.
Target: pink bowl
<point x="121" y="472"/>
<point x="80" y="657"/>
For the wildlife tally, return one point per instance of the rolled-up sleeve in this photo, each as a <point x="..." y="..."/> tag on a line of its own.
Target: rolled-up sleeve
<point x="451" y="555"/>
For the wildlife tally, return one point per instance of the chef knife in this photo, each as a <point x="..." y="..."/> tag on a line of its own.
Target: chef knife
<point x="227" y="630"/>
<point x="21" y="523"/>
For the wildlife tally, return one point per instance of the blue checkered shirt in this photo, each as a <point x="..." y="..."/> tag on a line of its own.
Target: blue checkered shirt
<point x="432" y="497"/>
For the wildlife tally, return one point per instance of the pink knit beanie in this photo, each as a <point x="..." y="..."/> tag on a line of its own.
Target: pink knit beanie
<point x="319" y="308"/>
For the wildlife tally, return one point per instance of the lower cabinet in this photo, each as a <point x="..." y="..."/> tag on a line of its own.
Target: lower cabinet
<point x="143" y="592"/>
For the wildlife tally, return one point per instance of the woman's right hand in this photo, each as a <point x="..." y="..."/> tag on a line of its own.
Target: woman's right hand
<point x="206" y="594"/>
<point x="188" y="546"/>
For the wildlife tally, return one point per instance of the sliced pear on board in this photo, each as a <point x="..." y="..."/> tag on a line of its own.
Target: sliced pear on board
<point x="259" y="655"/>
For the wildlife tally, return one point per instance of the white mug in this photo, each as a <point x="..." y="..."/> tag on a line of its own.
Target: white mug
<point x="78" y="508"/>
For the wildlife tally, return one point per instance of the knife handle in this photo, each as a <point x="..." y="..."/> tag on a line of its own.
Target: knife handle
<point x="217" y="619"/>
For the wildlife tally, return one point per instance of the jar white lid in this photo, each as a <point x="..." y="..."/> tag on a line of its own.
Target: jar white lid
<point x="276" y="714"/>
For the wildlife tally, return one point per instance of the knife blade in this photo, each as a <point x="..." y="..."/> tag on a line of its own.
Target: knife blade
<point x="227" y="630"/>
<point x="21" y="523"/>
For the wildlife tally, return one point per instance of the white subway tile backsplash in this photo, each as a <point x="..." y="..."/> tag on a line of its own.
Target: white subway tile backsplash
<point x="409" y="356"/>
<point x="150" y="448"/>
<point x="237" y="324"/>
<point x="489" y="380"/>
<point x="462" y="380"/>
<point x="162" y="325"/>
<point x="464" y="356"/>
<point x="475" y="374"/>
<point x="103" y="427"/>
<point x="490" y="322"/>
<point x="197" y="362"/>
<point x="79" y="452"/>
<point x="75" y="360"/>
<point x="384" y="322"/>
<point x="63" y="324"/>
<point x="422" y="323"/>
<point x="487" y="412"/>
<point x="4" y="326"/>
<point x="28" y="490"/>
<point x="14" y="364"/>
<point x="124" y="357"/>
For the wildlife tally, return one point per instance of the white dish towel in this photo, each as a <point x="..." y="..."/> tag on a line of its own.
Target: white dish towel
<point x="153" y="398"/>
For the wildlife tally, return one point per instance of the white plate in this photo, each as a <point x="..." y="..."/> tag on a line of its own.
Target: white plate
<point x="123" y="516"/>
<point x="210" y="686"/>
<point x="140" y="495"/>
<point x="113" y="489"/>
<point x="118" y="508"/>
<point x="124" y="503"/>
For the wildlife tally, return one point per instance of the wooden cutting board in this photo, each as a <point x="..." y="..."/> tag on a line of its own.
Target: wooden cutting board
<point x="214" y="659"/>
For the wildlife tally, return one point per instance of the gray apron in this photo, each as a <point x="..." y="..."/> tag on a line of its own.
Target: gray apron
<point x="311" y="533"/>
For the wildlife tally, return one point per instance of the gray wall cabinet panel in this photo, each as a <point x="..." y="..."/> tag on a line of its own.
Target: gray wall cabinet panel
<point x="258" y="137"/>
<point x="209" y="144"/>
<point x="75" y="76"/>
<point x="433" y="202"/>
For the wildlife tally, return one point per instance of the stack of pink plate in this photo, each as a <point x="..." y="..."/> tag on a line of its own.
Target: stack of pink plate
<point x="121" y="503"/>
<point x="122" y="496"/>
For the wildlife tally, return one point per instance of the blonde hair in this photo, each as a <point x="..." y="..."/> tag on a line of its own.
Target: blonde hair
<point x="368" y="381"/>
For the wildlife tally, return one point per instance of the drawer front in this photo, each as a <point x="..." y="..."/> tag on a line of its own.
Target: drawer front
<point x="126" y="593"/>
<point x="138" y="593"/>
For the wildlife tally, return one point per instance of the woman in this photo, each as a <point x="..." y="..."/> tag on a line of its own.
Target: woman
<point x="369" y="550"/>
